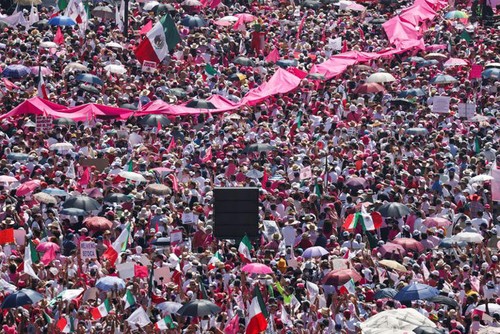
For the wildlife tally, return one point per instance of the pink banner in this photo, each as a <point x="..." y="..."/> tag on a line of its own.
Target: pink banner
<point x="495" y="185"/>
<point x="475" y="71"/>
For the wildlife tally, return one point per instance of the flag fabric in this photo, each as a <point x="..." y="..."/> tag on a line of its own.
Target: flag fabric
<point x="233" y="326"/>
<point x="172" y="145"/>
<point x="165" y="323"/>
<point x="139" y="317"/>
<point x="297" y="72"/>
<point x="146" y="28"/>
<point x="120" y="245"/>
<point x="285" y="318"/>
<point x="9" y="84"/>
<point x="208" y="155"/>
<point x="335" y="44"/>
<point x="130" y="166"/>
<point x="477" y="145"/>
<point x="367" y="219"/>
<point x="118" y="18"/>
<point x="101" y="311"/>
<point x="42" y="89"/>
<point x="348" y="288"/>
<point x="210" y="70"/>
<point x="344" y="46"/>
<point x="301" y="25"/>
<point x="217" y="258"/>
<point x="257" y="314"/>
<point x="47" y="318"/>
<point x="33" y="16"/>
<point x="59" y="37"/>
<point x="28" y="260"/>
<point x="62" y="4"/>
<point x="7" y="236"/>
<point x="203" y="291"/>
<point x="63" y="324"/>
<point x="85" y="178"/>
<point x="273" y="56"/>
<point x="364" y="218"/>
<point x="140" y="271"/>
<point x="159" y="41"/>
<point x="244" y="249"/>
<point x="313" y="290"/>
<point x="128" y="299"/>
<point x="242" y="49"/>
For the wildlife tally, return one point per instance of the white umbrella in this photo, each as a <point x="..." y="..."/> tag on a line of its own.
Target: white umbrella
<point x="481" y="178"/>
<point x="48" y="45"/>
<point x="72" y="67"/>
<point x="169" y="307"/>
<point x="393" y="321"/>
<point x="229" y="18"/>
<point x="116" y="69"/>
<point x="471" y="237"/>
<point x="479" y="118"/>
<point x="6" y="286"/>
<point x="492" y="308"/>
<point x="8" y="179"/>
<point x="254" y="174"/>
<point x="132" y="176"/>
<point x="61" y="147"/>
<point x="315" y="251"/>
<point x="114" y="45"/>
<point x="191" y="3"/>
<point x="492" y="65"/>
<point x="150" y="5"/>
<point x="381" y="77"/>
<point x="489" y="330"/>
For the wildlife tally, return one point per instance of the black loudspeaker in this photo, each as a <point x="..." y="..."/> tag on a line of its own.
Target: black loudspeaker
<point x="236" y="213"/>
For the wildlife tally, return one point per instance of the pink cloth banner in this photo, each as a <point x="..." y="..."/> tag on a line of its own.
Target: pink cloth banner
<point x="398" y="30"/>
<point x="495" y="185"/>
<point x="417" y="13"/>
<point x="280" y="83"/>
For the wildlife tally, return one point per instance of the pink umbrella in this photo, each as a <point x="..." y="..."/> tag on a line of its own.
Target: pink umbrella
<point x="409" y="244"/>
<point x="45" y="70"/>
<point x="27" y="187"/>
<point x="93" y="192"/>
<point x="257" y="268"/>
<point x="223" y="23"/>
<point x="48" y="246"/>
<point x="246" y="17"/>
<point x="8" y="179"/>
<point x="98" y="223"/>
<point x="436" y="222"/>
<point x="455" y="62"/>
<point x="340" y="277"/>
<point x="356" y="7"/>
<point x="390" y="248"/>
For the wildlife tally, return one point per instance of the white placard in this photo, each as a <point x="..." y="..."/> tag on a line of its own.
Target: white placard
<point x="466" y="110"/>
<point x="175" y="237"/>
<point x="270" y="228"/>
<point x="441" y="104"/>
<point x="187" y="218"/>
<point x="305" y="173"/>
<point x="149" y="66"/>
<point x="162" y="272"/>
<point x="88" y="250"/>
<point x="20" y="236"/>
<point x="125" y="270"/>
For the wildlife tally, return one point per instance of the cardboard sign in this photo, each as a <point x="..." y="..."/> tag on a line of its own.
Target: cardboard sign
<point x="149" y="66"/>
<point x="466" y="110"/>
<point x="270" y="228"/>
<point x="441" y="104"/>
<point x="20" y="236"/>
<point x="88" y="250"/>
<point x="43" y="123"/>
<point x="162" y="272"/>
<point x="187" y="218"/>
<point x="100" y="164"/>
<point x="125" y="270"/>
<point x="305" y="173"/>
<point x="175" y="237"/>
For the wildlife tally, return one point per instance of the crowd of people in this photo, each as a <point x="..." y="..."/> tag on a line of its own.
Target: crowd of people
<point x="371" y="201"/>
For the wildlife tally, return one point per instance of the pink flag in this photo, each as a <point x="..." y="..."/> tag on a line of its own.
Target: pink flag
<point x="85" y="178"/>
<point x="233" y="326"/>
<point x="298" y="73"/>
<point x="214" y="4"/>
<point x="49" y="256"/>
<point x="301" y="25"/>
<point x="344" y="46"/>
<point x="208" y="155"/>
<point x="273" y="56"/>
<point x="147" y="27"/>
<point x="9" y="84"/>
<point x="265" y="177"/>
<point x="175" y="183"/>
<point x="171" y="146"/>
<point x="59" y="37"/>
<point x="475" y="71"/>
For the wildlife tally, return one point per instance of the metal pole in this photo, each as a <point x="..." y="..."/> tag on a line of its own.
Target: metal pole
<point x="125" y="18"/>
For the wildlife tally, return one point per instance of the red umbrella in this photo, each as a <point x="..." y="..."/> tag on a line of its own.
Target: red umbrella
<point x="409" y="244"/>
<point x="257" y="268"/>
<point x="390" y="248"/>
<point x="370" y="87"/>
<point x="48" y="246"/>
<point x="340" y="277"/>
<point x="27" y="187"/>
<point x="436" y="222"/>
<point x="98" y="223"/>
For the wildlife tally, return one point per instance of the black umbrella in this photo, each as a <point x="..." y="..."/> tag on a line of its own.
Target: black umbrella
<point x="116" y="198"/>
<point x="245" y="61"/>
<point x="200" y="104"/>
<point x="199" y="308"/>
<point x="378" y="21"/>
<point x="128" y="106"/>
<point x="3" y="25"/>
<point x="104" y="12"/>
<point x="402" y="102"/>
<point x="394" y="210"/>
<point x="41" y="24"/>
<point x="315" y="76"/>
<point x="312" y="4"/>
<point x="21" y="298"/>
<point x="385" y="293"/>
<point x="445" y="300"/>
<point x="179" y="92"/>
<point x="63" y="121"/>
<point x="259" y="148"/>
<point x="154" y="120"/>
<point x="162" y="242"/>
<point x="82" y="202"/>
<point x="89" y="89"/>
<point x="427" y="330"/>
<point x="287" y="63"/>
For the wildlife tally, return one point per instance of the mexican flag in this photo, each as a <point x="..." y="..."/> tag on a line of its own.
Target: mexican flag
<point x="101" y="311"/>
<point x="64" y="325"/>
<point x="120" y="245"/>
<point x="128" y="299"/>
<point x="42" y="89"/>
<point x="477" y="145"/>
<point x="159" y="41"/>
<point x="244" y="249"/>
<point x="214" y="260"/>
<point x="165" y="323"/>
<point x="30" y="256"/>
<point x="348" y="288"/>
<point x="47" y="318"/>
<point x="257" y="321"/>
<point x="368" y="221"/>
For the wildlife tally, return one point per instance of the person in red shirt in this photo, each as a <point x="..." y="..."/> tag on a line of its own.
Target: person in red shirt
<point x="305" y="243"/>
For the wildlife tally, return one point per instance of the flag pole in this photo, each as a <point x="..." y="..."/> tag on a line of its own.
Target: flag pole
<point x="125" y="19"/>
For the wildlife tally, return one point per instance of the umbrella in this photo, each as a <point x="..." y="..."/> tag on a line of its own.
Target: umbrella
<point x="48" y="45"/>
<point x="456" y="14"/>
<point x="169" y="307"/>
<point x="48" y="247"/>
<point x="356" y="183"/>
<point x="443" y="79"/>
<point x="258" y="148"/>
<point x="73" y="67"/>
<point x="416" y="291"/>
<point x="254" y="174"/>
<point x="409" y="244"/>
<point x="116" y="198"/>
<point x="245" y="61"/>
<point x="162" y="242"/>
<point x="81" y="202"/>
<point x="378" y="21"/>
<point x="89" y="78"/>
<point x="415" y="59"/>
<point x="470" y="237"/>
<point x="402" y="102"/>
<point x="89" y="89"/>
<point x="191" y="3"/>
<point x="93" y="192"/>
<point x="97" y="223"/>
<point x="315" y="76"/>
<point x="340" y="277"/>
<point x="199" y="308"/>
<point x="8" y="179"/>
<point x="104" y="12"/>
<point x="17" y="156"/>
<point x="391" y="321"/>
<point x="312" y="4"/>
<point x="412" y="92"/>
<point x="115" y="69"/>
<point x="45" y="198"/>
<point x="150" y="5"/>
<point x="55" y="192"/>
<point x="385" y="293"/>
<point x="393" y="265"/>
<point x="449" y="243"/>
<point x="27" y="187"/>
<point x="436" y="222"/>
<point x="132" y="176"/>
<point x="491" y="73"/>
<point x="6" y="286"/>
<point x="73" y="212"/>
<point x="479" y="119"/>
<point x="42" y="23"/>
<point x="129" y="106"/>
<point x="61" y="147"/>
<point x="62" y="21"/>
<point x="245" y="17"/>
<point x="481" y="178"/>
<point x="158" y="189"/>
<point x="390" y="248"/>
<point x="193" y="21"/>
<point x="114" y="45"/>
<point x="455" y="62"/>
<point x="381" y="77"/>
<point x="63" y="121"/>
<point x="370" y="87"/>
<point x="257" y="268"/>
<point x="417" y="131"/>
<point x="315" y="251"/>
<point x="394" y="210"/>
<point x="16" y="71"/>
<point x="68" y="294"/>
<point x="428" y="330"/>
<point x="21" y="298"/>
<point x="287" y="63"/>
<point x="492" y="65"/>
<point x="436" y="56"/>
<point x="492" y="308"/>
<point x="154" y="120"/>
<point x="178" y="92"/>
<point x="445" y="300"/>
<point x="109" y="283"/>
<point x="200" y="104"/>
<point x="356" y="7"/>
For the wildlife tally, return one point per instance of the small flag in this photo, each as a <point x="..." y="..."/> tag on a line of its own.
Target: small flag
<point x="47" y="318"/>
<point x="28" y="260"/>
<point x="119" y="245"/>
<point x="233" y="326"/>
<point x="130" y="166"/>
<point x="165" y="323"/>
<point x="348" y="288"/>
<point x="128" y="299"/>
<point x="171" y="146"/>
<point x="208" y="155"/>
<point x="273" y="56"/>
<point x="217" y="258"/>
<point x="477" y="145"/>
<point x="140" y="271"/>
<point x="42" y="89"/>
<point x="210" y="70"/>
<point x="139" y="318"/>
<point x="7" y="236"/>
<point x="64" y="325"/>
<point x="59" y="37"/>
<point x="101" y="311"/>
<point x="244" y="249"/>
<point x="85" y="178"/>
<point x="9" y="84"/>
<point x="257" y="314"/>
<point x="344" y="46"/>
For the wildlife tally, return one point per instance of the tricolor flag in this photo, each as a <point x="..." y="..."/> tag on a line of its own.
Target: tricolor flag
<point x="47" y="318"/>
<point x="217" y="258"/>
<point x="159" y="41"/>
<point x="165" y="323"/>
<point x="120" y="245"/>
<point x="285" y="318"/>
<point x="367" y="220"/>
<point x="348" y="288"/>
<point x="29" y="259"/>
<point x="257" y="314"/>
<point x="42" y="89"/>
<point x="128" y="299"/>
<point x="244" y="249"/>
<point x="101" y="311"/>
<point x="64" y="325"/>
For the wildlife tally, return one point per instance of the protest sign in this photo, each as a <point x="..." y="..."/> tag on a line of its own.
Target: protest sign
<point x="441" y="104"/>
<point x="88" y="250"/>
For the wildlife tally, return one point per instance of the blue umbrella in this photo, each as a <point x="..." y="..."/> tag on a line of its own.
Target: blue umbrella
<point x="193" y="21"/>
<point x="385" y="293"/>
<point x="286" y="62"/>
<point x="73" y="212"/>
<point x="89" y="78"/>
<point x="17" y="156"/>
<point x="16" y="71"/>
<point x="62" y="21"/>
<point x="55" y="192"/>
<point x="412" y="92"/>
<point x="108" y="283"/>
<point x="443" y="79"/>
<point x="491" y="73"/>
<point x="21" y="298"/>
<point x="415" y="59"/>
<point x="427" y="63"/>
<point x="416" y="291"/>
<point x="449" y="243"/>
